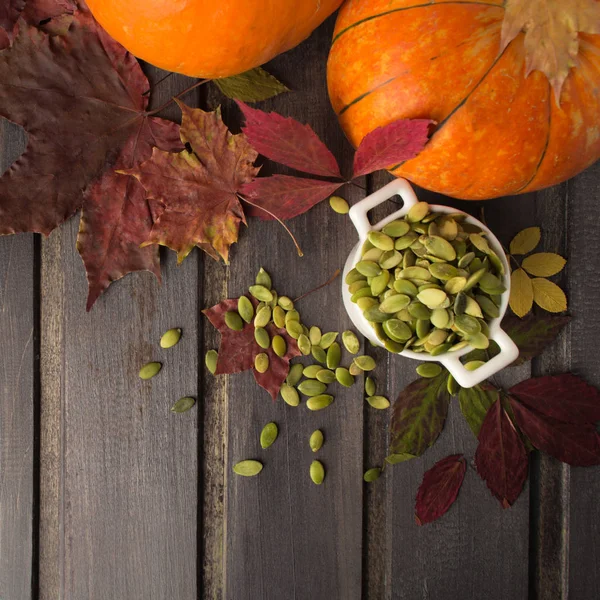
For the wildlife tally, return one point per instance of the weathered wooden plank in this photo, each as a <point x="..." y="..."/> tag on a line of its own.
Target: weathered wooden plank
<point x="286" y="537"/>
<point x="125" y="479"/>
<point x="18" y="397"/>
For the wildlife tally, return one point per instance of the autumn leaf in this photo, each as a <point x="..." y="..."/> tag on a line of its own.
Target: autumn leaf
<point x="418" y="417"/>
<point x="475" y="403"/>
<point x="526" y="241"/>
<point x="286" y="196"/>
<point x="521" y="293"/>
<point x="574" y="444"/>
<point x="198" y="188"/>
<point x="544" y="264"/>
<point x="552" y="30"/>
<point x="10" y="10"/>
<point x="251" y="86"/>
<point x="288" y="142"/>
<point x="439" y="488"/>
<point x="548" y="295"/>
<point x="238" y="349"/>
<point x="565" y="397"/>
<point x="501" y="458"/>
<point x="533" y="334"/>
<point x="392" y="144"/>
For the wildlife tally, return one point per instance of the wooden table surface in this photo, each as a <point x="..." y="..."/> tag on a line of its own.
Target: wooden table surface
<point x="105" y="494"/>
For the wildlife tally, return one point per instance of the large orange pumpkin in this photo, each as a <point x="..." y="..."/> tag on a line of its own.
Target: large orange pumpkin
<point x="210" y="38"/>
<point x="499" y="132"/>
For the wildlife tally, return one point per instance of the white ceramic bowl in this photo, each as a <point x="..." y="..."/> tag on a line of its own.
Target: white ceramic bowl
<point x="451" y="360"/>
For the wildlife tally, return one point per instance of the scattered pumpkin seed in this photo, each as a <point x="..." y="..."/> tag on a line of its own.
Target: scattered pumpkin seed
<point x="183" y="404"/>
<point x="268" y="435"/>
<point x="327" y="339"/>
<point x="379" y="402"/>
<point x="261" y="362"/>
<point x="472" y="365"/>
<point x="372" y="475"/>
<point x="365" y="363"/>
<point x="289" y="394"/>
<point x="311" y="371"/>
<point x="245" y="309"/>
<point x="263" y="317"/>
<point x="210" y="360"/>
<point x="295" y="374"/>
<point x="292" y="315"/>
<point x="262" y="293"/>
<point x="279" y="345"/>
<point x="294" y="329"/>
<point x="334" y="355"/>
<point x="150" y="370"/>
<point x="316" y="440"/>
<point x="247" y="468"/>
<point x="279" y="317"/>
<point x="351" y="341"/>
<point x="234" y="321"/>
<point x="264" y="279"/>
<point x="304" y="345"/>
<point x="326" y="376"/>
<point x="370" y="387"/>
<point x="170" y="338"/>
<point x="344" y="377"/>
<point x="315" y="333"/>
<point x="429" y="370"/>
<point x="285" y="303"/>
<point x="319" y="402"/>
<point x="262" y="337"/>
<point x="354" y="370"/>
<point x="319" y="354"/>
<point x="312" y="387"/>
<point x="339" y="205"/>
<point x="317" y="472"/>
<point x="452" y="386"/>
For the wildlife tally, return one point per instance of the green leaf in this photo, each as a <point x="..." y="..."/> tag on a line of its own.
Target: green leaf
<point x="475" y="402"/>
<point x="251" y="86"/>
<point x="533" y="334"/>
<point x="418" y="417"/>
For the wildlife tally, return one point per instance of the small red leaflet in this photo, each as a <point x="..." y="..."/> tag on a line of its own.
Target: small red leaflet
<point x="439" y="488"/>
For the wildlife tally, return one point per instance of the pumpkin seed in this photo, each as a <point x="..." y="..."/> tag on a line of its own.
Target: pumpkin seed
<point x="261" y="362"/>
<point x="210" y="360"/>
<point x="422" y="328"/>
<point x="479" y="341"/>
<point x="262" y="337"/>
<point x="419" y="311"/>
<point x="334" y="355"/>
<point x="315" y="334"/>
<point x="316" y="440"/>
<point x="365" y="303"/>
<point x="374" y="254"/>
<point x="351" y="342"/>
<point x="311" y="387"/>
<point x="279" y="317"/>
<point x="150" y="370"/>
<point x="327" y="339"/>
<point x="279" y="345"/>
<point x="354" y="370"/>
<point x="417" y="212"/>
<point x="429" y="370"/>
<point x="404" y="286"/>
<point x="397" y="228"/>
<point x="479" y="242"/>
<point x="440" y="349"/>
<point x="263" y="317"/>
<point x="379" y="283"/>
<point x="466" y="260"/>
<point x="404" y="242"/>
<point x="268" y="435"/>
<point x="311" y="371"/>
<point x="379" y="402"/>
<point x="285" y="303"/>
<point x="304" y="344"/>
<point x="440" y="247"/>
<point x="440" y="318"/>
<point x="273" y="302"/>
<point x="467" y="325"/>
<point x="368" y="268"/>
<point x="381" y="240"/>
<point x="475" y="278"/>
<point x="372" y="475"/>
<point x="245" y="309"/>
<point x="326" y="376"/>
<point x="374" y="315"/>
<point x="183" y="404"/>
<point x="290" y="395"/>
<point x="352" y="276"/>
<point x="397" y="330"/>
<point x="460" y="303"/>
<point x="319" y="354"/>
<point x="234" y="321"/>
<point x="292" y="315"/>
<point x="432" y="298"/>
<point x="390" y="259"/>
<point x="459" y="346"/>
<point x="260" y="292"/>
<point x="247" y="468"/>
<point x="364" y="292"/>
<point x="474" y="365"/>
<point x="488" y="306"/>
<point x="473" y="309"/>
<point x="370" y="387"/>
<point x="393" y="304"/>
<point x="490" y="284"/>
<point x="339" y="205"/>
<point x="294" y="329"/>
<point x="170" y="338"/>
<point x="365" y="363"/>
<point x="264" y="279"/>
<point x="317" y="472"/>
<point x="319" y="402"/>
<point x="295" y="374"/>
<point x="455" y="285"/>
<point x="344" y="377"/>
<point x="415" y="273"/>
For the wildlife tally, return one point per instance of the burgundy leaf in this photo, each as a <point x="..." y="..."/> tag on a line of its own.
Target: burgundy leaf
<point x="390" y="145"/>
<point x="563" y="397"/>
<point x="501" y="457"/>
<point x="285" y="196"/>
<point x="288" y="142"/>
<point x="574" y="444"/>
<point x="439" y="488"/>
<point x="239" y="348"/>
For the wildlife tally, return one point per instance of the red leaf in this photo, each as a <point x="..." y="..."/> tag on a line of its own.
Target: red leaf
<point x="288" y="142"/>
<point x="239" y="348"/>
<point x="390" y="145"/>
<point x="285" y="196"/>
<point x="439" y="488"/>
<point x="577" y="445"/>
<point x="564" y="397"/>
<point x="9" y="13"/>
<point x="501" y="457"/>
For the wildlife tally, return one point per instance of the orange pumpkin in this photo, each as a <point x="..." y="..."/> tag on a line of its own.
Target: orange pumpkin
<point x="210" y="38"/>
<point x="499" y="131"/>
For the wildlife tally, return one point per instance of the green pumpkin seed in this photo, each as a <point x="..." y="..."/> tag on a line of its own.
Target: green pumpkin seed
<point x="440" y="247"/>
<point x="419" y="311"/>
<point x="479" y="341"/>
<point x="415" y="273"/>
<point x="455" y="285"/>
<point x="394" y="303"/>
<point x="316" y="440"/>
<point x="311" y="371"/>
<point x="368" y="268"/>
<point x="365" y="363"/>
<point x="247" y="468"/>
<point x="490" y="284"/>
<point x="317" y="472"/>
<point x="429" y="370"/>
<point x="390" y="259"/>
<point x="210" y="360"/>
<point x="354" y="370"/>
<point x="395" y="347"/>
<point x="443" y="271"/>
<point x="273" y="302"/>
<point x="262" y="337"/>
<point x="475" y="278"/>
<point x="422" y="328"/>
<point x="334" y="355"/>
<point x="285" y="303"/>
<point x="374" y="315"/>
<point x="397" y="330"/>
<point x="260" y="292"/>
<point x="319" y="354"/>
<point x="409" y="258"/>
<point x="292" y="315"/>
<point x="295" y="374"/>
<point x="488" y="306"/>
<point x="381" y="240"/>
<point x="263" y="317"/>
<point x="319" y="402"/>
<point x="268" y="435"/>
<point x="344" y="377"/>
<point x="234" y="321"/>
<point x="339" y="205"/>
<point x="467" y="325"/>
<point x="466" y="260"/>
<point x="440" y="349"/>
<point x="358" y="285"/>
<point x="304" y="344"/>
<point x="417" y="212"/>
<point x="370" y="387"/>
<point x="379" y="283"/>
<point x="351" y="342"/>
<point x="437" y="337"/>
<point x="312" y="387"/>
<point x="372" y="475"/>
<point x="404" y="286"/>
<point x="290" y="395"/>
<point x="496" y="262"/>
<point x="440" y="318"/>
<point x="458" y="346"/>
<point x="404" y="242"/>
<point x="294" y="329"/>
<point x="365" y="303"/>
<point x="460" y="303"/>
<point x="479" y="242"/>
<point x="245" y="309"/>
<point x="279" y="317"/>
<point x="261" y="362"/>
<point x="150" y="370"/>
<point x="364" y="292"/>
<point x="183" y="404"/>
<point x="170" y="338"/>
<point x="352" y="276"/>
<point x="264" y="279"/>
<point x="432" y="298"/>
<point x="327" y="339"/>
<point x="451" y="385"/>
<point x="378" y="402"/>
<point x="474" y="365"/>
<point x="396" y="228"/>
<point x="374" y="254"/>
<point x="279" y="345"/>
<point x="326" y="376"/>
<point x="315" y="335"/>
<point x="473" y="309"/>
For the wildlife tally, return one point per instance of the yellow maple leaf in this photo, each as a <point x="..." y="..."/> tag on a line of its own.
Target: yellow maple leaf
<point x="521" y="293"/>
<point x="551" y="33"/>
<point x="544" y="264"/>
<point x="548" y="295"/>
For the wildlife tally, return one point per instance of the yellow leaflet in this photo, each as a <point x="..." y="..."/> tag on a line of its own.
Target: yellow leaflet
<point x="544" y="264"/>
<point x="525" y="241"/>
<point x="521" y="293"/>
<point x="548" y="295"/>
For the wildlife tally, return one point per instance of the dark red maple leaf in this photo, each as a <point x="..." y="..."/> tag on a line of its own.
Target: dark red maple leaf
<point x="565" y="397"/>
<point x="391" y="144"/>
<point x="574" y="444"/>
<point x="501" y="458"/>
<point x="238" y="349"/>
<point x="439" y="488"/>
<point x="10" y="11"/>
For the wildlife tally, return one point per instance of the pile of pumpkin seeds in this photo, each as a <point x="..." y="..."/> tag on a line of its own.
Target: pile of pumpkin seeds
<point x="429" y="282"/>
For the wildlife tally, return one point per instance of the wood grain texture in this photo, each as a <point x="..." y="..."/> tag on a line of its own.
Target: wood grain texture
<point x="18" y="402"/>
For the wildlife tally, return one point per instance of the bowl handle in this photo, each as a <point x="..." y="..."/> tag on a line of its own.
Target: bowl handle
<point x="508" y="354"/>
<point x="358" y="213"/>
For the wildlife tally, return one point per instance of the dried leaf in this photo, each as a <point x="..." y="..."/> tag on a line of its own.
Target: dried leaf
<point x="533" y="334"/>
<point x="286" y="196"/>
<point x="574" y="444"/>
<point x="549" y="296"/>
<point x="251" y="86"/>
<point x="475" y="403"/>
<point x="565" y="397"/>
<point x="521" y="293"/>
<point x="10" y="10"/>
<point x="439" y="488"/>
<point x="551" y="34"/>
<point x="239" y="348"/>
<point x="198" y="188"/>
<point x="418" y="417"/>
<point x="501" y="458"/>
<point x="394" y="143"/>
<point x="526" y="241"/>
<point x="544" y="264"/>
<point x="288" y="142"/>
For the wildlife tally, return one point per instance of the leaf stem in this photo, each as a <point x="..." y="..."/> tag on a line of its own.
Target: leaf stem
<point x="361" y="187"/>
<point x="330" y="280"/>
<point x="157" y="83"/>
<point x="189" y="89"/>
<point x="300" y="253"/>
